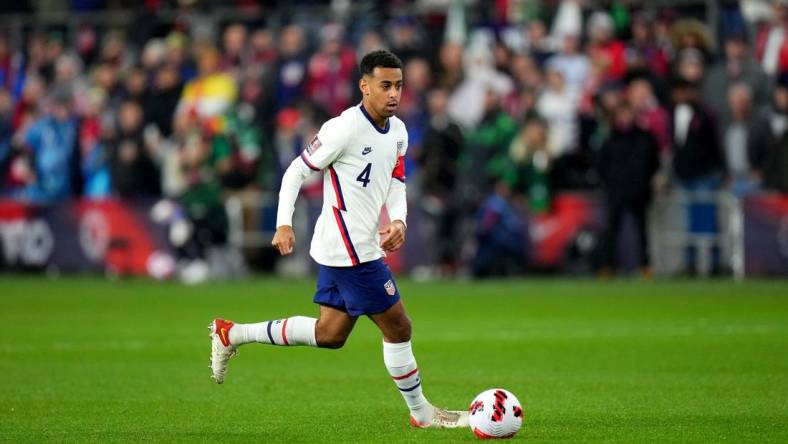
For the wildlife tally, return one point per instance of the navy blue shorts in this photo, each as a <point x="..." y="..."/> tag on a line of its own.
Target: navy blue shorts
<point x="364" y="289"/>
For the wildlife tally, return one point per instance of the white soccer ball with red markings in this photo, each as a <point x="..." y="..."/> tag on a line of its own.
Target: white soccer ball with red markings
<point x="495" y="414"/>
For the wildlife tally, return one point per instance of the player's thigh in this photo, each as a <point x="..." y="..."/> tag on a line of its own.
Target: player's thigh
<point x="394" y="323"/>
<point x="333" y="325"/>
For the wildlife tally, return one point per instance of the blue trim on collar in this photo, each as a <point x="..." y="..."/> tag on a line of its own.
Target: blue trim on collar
<point x="380" y="130"/>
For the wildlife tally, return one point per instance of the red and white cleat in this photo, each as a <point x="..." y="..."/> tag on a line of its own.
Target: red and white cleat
<point x="221" y="349"/>
<point x="443" y="419"/>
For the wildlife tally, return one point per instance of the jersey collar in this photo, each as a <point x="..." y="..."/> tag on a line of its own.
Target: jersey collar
<point x="379" y="129"/>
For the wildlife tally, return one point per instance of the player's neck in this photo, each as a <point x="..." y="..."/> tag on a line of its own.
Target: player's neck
<point x="376" y="118"/>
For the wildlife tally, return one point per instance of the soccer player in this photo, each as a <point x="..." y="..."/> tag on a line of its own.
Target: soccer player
<point x="361" y="156"/>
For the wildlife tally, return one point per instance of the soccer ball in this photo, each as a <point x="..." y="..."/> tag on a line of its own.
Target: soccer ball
<point x="494" y="414"/>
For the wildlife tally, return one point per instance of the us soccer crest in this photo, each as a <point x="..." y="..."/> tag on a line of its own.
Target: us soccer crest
<point x="390" y="289"/>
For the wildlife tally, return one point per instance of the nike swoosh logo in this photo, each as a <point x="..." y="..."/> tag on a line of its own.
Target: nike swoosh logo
<point x="223" y="335"/>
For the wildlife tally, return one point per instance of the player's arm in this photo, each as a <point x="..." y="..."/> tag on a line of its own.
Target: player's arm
<point x="320" y="153"/>
<point x="397" y="207"/>
<point x="297" y="172"/>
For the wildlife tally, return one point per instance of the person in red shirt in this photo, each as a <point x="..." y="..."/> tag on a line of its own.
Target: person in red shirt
<point x="605" y="47"/>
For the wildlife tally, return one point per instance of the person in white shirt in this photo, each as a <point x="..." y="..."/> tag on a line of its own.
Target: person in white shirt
<point x="361" y="156"/>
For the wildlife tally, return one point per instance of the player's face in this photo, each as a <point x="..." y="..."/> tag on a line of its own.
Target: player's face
<point x="383" y="90"/>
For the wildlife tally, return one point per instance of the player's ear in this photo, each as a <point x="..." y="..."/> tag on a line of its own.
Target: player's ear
<point x="363" y="86"/>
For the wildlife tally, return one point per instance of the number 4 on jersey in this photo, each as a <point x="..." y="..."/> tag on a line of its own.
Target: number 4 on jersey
<point x="364" y="176"/>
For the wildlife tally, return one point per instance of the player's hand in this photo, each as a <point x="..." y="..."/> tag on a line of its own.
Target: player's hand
<point x="284" y="240"/>
<point x="395" y="236"/>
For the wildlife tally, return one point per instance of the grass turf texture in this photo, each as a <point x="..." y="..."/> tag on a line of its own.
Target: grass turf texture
<point x="89" y="360"/>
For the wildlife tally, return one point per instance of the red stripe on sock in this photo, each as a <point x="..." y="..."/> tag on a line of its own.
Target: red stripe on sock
<point x="409" y="374"/>
<point x="284" y="336"/>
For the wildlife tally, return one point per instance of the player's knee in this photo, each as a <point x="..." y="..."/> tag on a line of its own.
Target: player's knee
<point x="400" y="332"/>
<point x="329" y="338"/>
<point x="333" y="342"/>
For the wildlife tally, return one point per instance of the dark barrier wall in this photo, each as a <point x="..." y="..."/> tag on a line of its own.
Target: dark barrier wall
<point x="117" y="237"/>
<point x="84" y="236"/>
<point x="766" y="235"/>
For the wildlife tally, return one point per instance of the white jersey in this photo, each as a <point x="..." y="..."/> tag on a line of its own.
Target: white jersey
<point x="363" y="169"/>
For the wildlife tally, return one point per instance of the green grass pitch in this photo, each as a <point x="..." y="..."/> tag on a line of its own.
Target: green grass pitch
<point x="87" y="360"/>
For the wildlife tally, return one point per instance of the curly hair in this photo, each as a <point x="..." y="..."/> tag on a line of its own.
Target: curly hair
<point x="380" y="58"/>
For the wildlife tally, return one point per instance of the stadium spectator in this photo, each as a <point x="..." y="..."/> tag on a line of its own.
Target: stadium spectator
<point x="500" y="236"/>
<point x="558" y="106"/>
<point x="6" y="133"/>
<point x="484" y="155"/>
<point x="738" y="66"/>
<point x="648" y="112"/>
<point x="521" y="102"/>
<point x="234" y="44"/>
<point x="95" y="163"/>
<point x="450" y="70"/>
<point x="528" y="173"/>
<point x="771" y="45"/>
<point x="774" y="132"/>
<point x="405" y="38"/>
<point x="690" y="65"/>
<point x="644" y="50"/>
<point x="627" y="162"/>
<point x="6" y="64"/>
<point x="330" y="72"/>
<point x="243" y="143"/>
<point x="537" y="42"/>
<point x="135" y="86"/>
<point x="604" y="47"/>
<point x="134" y="171"/>
<point x="205" y="99"/>
<point x="162" y="99"/>
<point x="413" y="108"/>
<point x="691" y="33"/>
<point x="571" y="63"/>
<point x="697" y="163"/>
<point x="741" y="157"/>
<point x="291" y="71"/>
<point x="439" y="178"/>
<point x="696" y="153"/>
<point x="29" y="104"/>
<point x="106" y="77"/>
<point x="263" y="49"/>
<point x="52" y="140"/>
<point x="177" y="55"/>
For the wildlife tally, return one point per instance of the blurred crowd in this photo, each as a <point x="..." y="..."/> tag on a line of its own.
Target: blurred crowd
<point x="506" y="103"/>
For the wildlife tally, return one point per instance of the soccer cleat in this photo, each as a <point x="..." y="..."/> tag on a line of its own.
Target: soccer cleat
<point x="443" y="419"/>
<point x="221" y="349"/>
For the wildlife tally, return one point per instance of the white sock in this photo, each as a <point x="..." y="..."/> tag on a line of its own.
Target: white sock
<point x="295" y="330"/>
<point x="402" y="367"/>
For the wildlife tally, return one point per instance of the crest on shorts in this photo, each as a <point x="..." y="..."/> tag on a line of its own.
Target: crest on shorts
<point x="390" y="288"/>
<point x="313" y="145"/>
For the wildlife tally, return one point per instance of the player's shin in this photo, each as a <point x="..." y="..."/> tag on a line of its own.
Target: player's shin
<point x="402" y="367"/>
<point x="295" y="330"/>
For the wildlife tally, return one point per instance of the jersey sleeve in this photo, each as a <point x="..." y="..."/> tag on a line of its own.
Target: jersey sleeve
<point x="396" y="200"/>
<point x="399" y="167"/>
<point x="327" y="145"/>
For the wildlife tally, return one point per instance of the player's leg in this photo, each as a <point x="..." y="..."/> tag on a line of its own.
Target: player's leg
<point x="333" y="327"/>
<point x="398" y="356"/>
<point x="330" y="331"/>
<point x="227" y="336"/>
